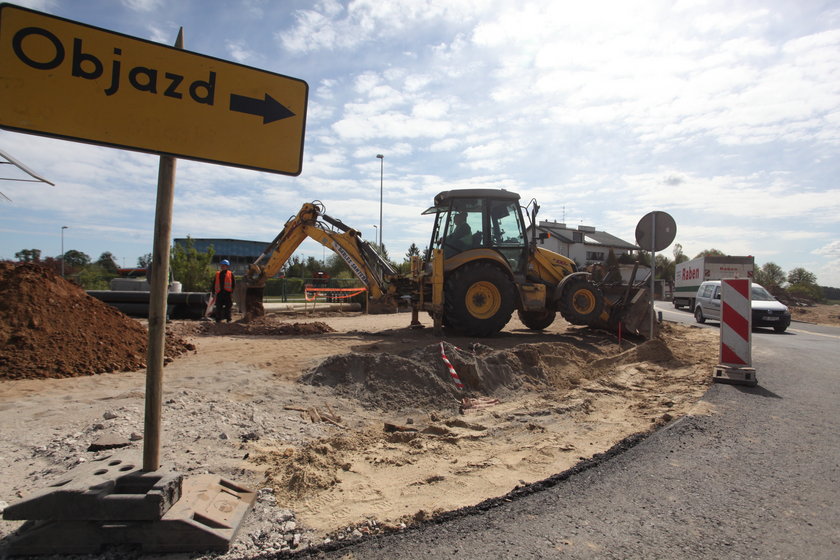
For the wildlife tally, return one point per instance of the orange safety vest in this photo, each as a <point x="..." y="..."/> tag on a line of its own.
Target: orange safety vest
<point x="228" y="281"/>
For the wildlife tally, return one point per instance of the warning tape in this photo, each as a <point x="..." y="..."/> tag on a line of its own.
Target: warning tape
<point x="452" y="371"/>
<point x="327" y="291"/>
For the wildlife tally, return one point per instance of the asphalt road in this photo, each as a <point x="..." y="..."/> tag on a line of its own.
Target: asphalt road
<point x="759" y="478"/>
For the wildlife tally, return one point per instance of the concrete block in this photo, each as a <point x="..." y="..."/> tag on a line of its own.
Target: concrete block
<point x="735" y="375"/>
<point x="206" y="518"/>
<point x="113" y="487"/>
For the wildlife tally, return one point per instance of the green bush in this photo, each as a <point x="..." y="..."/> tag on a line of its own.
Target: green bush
<point x="806" y="291"/>
<point x="95" y="277"/>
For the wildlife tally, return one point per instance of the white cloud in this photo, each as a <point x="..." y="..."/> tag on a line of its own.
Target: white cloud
<point x="831" y="250"/>
<point x="238" y="51"/>
<point x="331" y="26"/>
<point x="389" y="125"/>
<point x="143" y="5"/>
<point x="446" y="145"/>
<point x="40" y="5"/>
<point x="828" y="272"/>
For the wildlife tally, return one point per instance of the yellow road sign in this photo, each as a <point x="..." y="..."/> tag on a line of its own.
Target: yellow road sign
<point x="69" y="80"/>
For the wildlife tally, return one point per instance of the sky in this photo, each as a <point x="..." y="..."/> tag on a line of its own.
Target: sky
<point x="724" y="114"/>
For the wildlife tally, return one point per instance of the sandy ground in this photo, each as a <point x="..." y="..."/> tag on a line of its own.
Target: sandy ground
<point x="387" y="440"/>
<point x="817" y="314"/>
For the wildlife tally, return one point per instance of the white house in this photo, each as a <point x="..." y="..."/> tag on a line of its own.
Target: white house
<point x="584" y="244"/>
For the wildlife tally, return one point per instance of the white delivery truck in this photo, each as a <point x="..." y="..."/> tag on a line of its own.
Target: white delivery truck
<point x="690" y="274"/>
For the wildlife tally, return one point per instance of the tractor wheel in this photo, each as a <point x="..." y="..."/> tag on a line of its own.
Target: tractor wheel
<point x="537" y="320"/>
<point x="582" y="302"/>
<point x="478" y="299"/>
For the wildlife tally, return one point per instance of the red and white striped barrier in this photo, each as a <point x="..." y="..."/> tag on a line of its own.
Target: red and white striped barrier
<point x="736" y="333"/>
<point x="452" y="371"/>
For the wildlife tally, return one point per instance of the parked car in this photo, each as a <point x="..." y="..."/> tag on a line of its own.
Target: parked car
<point x="767" y="311"/>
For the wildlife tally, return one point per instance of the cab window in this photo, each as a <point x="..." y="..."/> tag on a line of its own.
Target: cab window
<point x="507" y="233"/>
<point x="461" y="226"/>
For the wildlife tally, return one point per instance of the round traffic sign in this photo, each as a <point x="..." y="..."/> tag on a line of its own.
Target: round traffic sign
<point x="655" y="231"/>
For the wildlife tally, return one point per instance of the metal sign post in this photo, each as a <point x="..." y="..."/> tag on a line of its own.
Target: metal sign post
<point x="654" y="232"/>
<point x="652" y="273"/>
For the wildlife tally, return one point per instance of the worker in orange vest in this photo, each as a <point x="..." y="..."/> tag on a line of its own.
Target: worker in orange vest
<point x="223" y="285"/>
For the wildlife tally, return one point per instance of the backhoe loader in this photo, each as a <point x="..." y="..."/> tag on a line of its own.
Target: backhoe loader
<point x="479" y="268"/>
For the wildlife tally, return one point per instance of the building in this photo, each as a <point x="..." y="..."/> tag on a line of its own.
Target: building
<point x="585" y="245"/>
<point x="239" y="252"/>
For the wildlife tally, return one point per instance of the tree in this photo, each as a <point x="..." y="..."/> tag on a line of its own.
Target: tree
<point x="335" y="266"/>
<point x="108" y="262"/>
<point x="413" y="251"/>
<point x="145" y="261"/>
<point x="28" y="255"/>
<point x="612" y="260"/>
<point x="801" y="276"/>
<point x="383" y="252"/>
<point x="679" y="256"/>
<point x="665" y="267"/>
<point x="643" y="258"/>
<point x="95" y="277"/>
<point x="312" y="266"/>
<point x="803" y="284"/>
<point x="76" y="259"/>
<point x="191" y="267"/>
<point x="769" y="275"/>
<point x="627" y="258"/>
<point x="294" y="267"/>
<point x="710" y="253"/>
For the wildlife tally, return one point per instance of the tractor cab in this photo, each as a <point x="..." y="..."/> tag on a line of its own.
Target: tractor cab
<point x="470" y="219"/>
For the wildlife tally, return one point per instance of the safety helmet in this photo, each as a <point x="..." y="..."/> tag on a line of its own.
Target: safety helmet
<point x="225" y="262"/>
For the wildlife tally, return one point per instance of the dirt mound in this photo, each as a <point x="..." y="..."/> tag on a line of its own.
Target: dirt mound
<point x="421" y="378"/>
<point x="50" y="327"/>
<point x="263" y="326"/>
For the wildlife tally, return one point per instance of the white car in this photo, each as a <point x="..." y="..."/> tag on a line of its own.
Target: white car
<point x="767" y="311"/>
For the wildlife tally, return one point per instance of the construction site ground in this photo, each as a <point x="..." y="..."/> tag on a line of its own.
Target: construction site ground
<point x="346" y="424"/>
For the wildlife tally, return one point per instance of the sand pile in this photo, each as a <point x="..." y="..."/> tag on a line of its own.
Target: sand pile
<point x="50" y="327"/>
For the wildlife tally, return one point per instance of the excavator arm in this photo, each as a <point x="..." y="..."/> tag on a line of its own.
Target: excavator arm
<point x="311" y="222"/>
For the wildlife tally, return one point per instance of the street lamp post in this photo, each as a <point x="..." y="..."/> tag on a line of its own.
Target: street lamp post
<point x="381" y="170"/>
<point x="375" y="232"/>
<point x="62" y="250"/>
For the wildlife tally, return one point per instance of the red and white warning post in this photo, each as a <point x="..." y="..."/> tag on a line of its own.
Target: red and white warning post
<point x="736" y="333"/>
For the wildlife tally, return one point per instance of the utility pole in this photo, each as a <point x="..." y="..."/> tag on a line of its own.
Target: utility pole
<point x="381" y="171"/>
<point x="62" y="250"/>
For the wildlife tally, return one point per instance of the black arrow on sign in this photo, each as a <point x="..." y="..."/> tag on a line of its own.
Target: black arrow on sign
<point x="268" y="108"/>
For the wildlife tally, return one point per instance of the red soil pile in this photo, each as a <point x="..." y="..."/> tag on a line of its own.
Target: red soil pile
<point x="50" y="327"/>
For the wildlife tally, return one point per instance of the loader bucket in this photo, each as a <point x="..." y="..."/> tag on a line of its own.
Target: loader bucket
<point x="628" y="306"/>
<point x="635" y="314"/>
<point x="381" y="306"/>
<point x="627" y="301"/>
